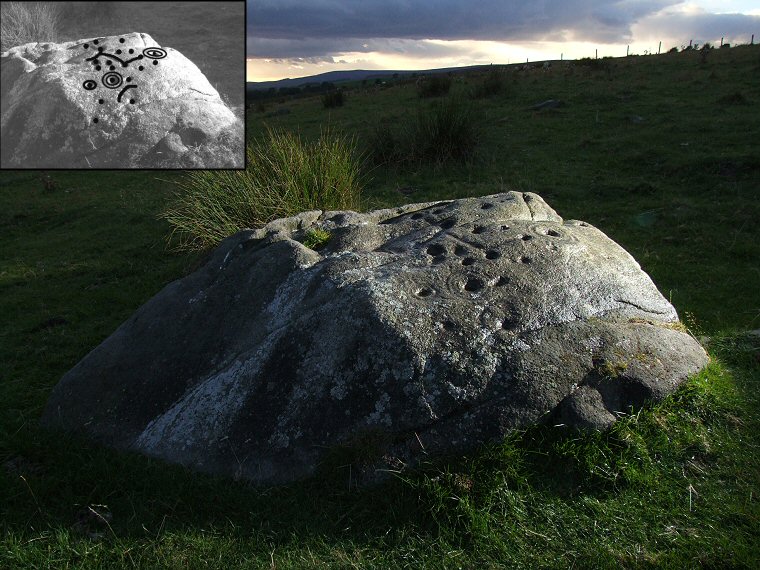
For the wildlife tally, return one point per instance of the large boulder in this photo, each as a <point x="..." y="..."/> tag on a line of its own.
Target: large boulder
<point x="417" y="331"/>
<point x="112" y="102"/>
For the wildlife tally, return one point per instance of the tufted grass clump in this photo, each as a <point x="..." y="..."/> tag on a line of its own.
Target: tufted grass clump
<point x="284" y="176"/>
<point x="447" y="131"/>
<point x="333" y="99"/>
<point x="24" y="22"/>
<point x="434" y="86"/>
<point x="316" y="238"/>
<point x="384" y="142"/>
<point x="491" y="85"/>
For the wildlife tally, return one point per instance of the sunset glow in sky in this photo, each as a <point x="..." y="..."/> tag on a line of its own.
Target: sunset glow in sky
<point x="297" y="38"/>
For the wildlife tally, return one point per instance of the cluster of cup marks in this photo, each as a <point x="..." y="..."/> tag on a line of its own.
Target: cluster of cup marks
<point x="112" y="79"/>
<point x="473" y="284"/>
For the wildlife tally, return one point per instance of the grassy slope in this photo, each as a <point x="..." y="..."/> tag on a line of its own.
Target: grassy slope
<point x="674" y="486"/>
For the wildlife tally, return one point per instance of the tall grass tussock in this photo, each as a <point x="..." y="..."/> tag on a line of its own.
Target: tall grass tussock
<point x="492" y="84"/>
<point x="434" y="86"/>
<point x="284" y="176"/>
<point x="24" y="22"/>
<point x="333" y="99"/>
<point x="446" y="131"/>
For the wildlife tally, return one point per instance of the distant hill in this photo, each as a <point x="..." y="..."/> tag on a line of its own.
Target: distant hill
<point x="340" y="76"/>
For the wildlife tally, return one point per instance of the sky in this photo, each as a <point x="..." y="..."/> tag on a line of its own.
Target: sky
<point x="299" y="38"/>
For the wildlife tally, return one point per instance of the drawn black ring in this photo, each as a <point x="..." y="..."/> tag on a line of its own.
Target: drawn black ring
<point x="112" y="80"/>
<point x="154" y="53"/>
<point x="89" y="85"/>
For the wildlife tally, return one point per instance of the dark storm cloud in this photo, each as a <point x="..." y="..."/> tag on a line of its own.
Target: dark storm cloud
<point x="319" y="27"/>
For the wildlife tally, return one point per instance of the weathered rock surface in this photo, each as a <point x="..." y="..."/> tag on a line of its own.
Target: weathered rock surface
<point x="426" y="329"/>
<point x="110" y="102"/>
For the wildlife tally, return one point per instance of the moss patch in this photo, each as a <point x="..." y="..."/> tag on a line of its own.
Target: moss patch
<point x="316" y="238"/>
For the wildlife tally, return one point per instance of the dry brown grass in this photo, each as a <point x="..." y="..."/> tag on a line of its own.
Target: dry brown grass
<point x="24" y="22"/>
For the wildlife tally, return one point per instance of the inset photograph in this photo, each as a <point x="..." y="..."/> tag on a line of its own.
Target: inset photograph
<point x="122" y="85"/>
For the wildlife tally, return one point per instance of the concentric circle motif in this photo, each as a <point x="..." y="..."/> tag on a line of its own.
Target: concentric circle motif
<point x="89" y="85"/>
<point x="112" y="80"/>
<point x="154" y="53"/>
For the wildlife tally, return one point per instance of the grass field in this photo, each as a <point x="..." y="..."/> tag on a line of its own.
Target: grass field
<point x="661" y="153"/>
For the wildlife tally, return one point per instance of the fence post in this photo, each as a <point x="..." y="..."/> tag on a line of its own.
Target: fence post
<point x="596" y="54"/>
<point x="690" y="42"/>
<point x="627" y="50"/>
<point x="752" y="41"/>
<point x="659" y="47"/>
<point x="562" y="55"/>
<point x="721" y="42"/>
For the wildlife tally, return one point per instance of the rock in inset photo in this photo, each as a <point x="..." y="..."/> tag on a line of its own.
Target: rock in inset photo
<point x="124" y="100"/>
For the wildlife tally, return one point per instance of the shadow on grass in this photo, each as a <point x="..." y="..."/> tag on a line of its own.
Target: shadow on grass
<point x="59" y="474"/>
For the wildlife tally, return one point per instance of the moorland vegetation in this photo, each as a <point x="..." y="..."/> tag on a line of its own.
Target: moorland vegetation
<point x="658" y="152"/>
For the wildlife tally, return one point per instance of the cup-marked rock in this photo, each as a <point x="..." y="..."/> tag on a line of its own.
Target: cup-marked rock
<point x="416" y="331"/>
<point x="109" y="102"/>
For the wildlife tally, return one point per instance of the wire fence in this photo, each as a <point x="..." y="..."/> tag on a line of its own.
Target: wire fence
<point x="683" y="47"/>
